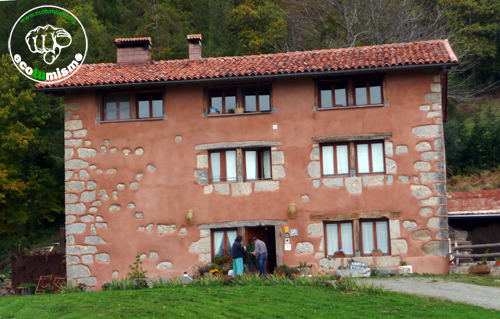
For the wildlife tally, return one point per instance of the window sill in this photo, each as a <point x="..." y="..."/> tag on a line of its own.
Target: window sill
<point x="245" y="181"/>
<point x="205" y="114"/>
<point x="370" y="255"/>
<point x="354" y="175"/>
<point x="346" y="107"/>
<point x="131" y="120"/>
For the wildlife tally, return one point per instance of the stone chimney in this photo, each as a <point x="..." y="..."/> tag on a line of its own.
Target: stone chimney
<point x="194" y="46"/>
<point x="133" y="51"/>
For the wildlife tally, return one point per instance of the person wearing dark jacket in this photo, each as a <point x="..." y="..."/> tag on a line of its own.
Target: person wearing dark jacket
<point x="238" y="253"/>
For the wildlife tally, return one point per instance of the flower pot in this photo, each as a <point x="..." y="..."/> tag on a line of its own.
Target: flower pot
<point x="304" y="271"/>
<point x="497" y="263"/>
<point x="239" y="110"/>
<point x="23" y="291"/>
<point x="480" y="269"/>
<point x="338" y="255"/>
<point x="376" y="253"/>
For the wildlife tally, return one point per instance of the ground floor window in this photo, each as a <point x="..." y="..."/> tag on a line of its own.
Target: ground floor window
<point x="222" y="241"/>
<point x="374" y="236"/>
<point x="339" y="236"/>
<point x="369" y="235"/>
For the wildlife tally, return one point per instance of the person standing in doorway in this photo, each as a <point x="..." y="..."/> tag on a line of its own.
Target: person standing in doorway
<point x="238" y="252"/>
<point x="251" y="261"/>
<point x="261" y="255"/>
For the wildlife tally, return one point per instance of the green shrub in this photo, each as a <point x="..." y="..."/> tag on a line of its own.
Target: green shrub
<point x="137" y="272"/>
<point x="174" y="282"/>
<point x="120" y="284"/>
<point x="69" y="289"/>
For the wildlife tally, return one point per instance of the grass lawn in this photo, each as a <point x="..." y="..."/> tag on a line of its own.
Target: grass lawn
<point x="250" y="301"/>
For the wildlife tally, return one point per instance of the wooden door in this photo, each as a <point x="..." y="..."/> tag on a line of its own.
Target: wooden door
<point x="260" y="233"/>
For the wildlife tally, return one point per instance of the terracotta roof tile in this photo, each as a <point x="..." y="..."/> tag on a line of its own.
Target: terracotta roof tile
<point x="387" y="55"/>
<point x="133" y="40"/>
<point x="194" y="37"/>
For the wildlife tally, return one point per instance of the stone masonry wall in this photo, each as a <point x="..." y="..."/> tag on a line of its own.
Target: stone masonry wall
<point x="89" y="205"/>
<point x="427" y="184"/>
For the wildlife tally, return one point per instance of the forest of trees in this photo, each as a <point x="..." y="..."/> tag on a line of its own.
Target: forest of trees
<point x="31" y="125"/>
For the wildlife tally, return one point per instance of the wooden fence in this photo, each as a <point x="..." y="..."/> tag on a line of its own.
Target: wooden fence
<point x="456" y="248"/>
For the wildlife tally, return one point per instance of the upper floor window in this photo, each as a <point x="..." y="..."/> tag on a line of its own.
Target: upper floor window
<point x="149" y="105"/>
<point x="257" y="164"/>
<point x="257" y="99"/>
<point x="350" y="93"/>
<point x="369" y="157"/>
<point x="335" y="159"/>
<point x="368" y="92"/>
<point x="117" y="107"/>
<point x="223" y="100"/>
<point x="224" y="165"/>
<point x="248" y="99"/>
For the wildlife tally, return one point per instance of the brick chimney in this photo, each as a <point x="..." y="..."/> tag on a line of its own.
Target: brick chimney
<point x="133" y="51"/>
<point x="194" y="46"/>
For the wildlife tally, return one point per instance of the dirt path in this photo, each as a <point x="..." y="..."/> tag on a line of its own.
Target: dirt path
<point x="487" y="297"/>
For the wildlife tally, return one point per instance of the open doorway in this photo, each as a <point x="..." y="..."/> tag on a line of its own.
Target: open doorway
<point x="267" y="235"/>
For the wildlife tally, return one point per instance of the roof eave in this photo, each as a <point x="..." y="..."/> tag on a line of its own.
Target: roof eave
<point x="252" y="77"/>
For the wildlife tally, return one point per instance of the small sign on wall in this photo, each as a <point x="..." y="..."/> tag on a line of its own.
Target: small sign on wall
<point x="294" y="232"/>
<point x="287" y="240"/>
<point x="288" y="246"/>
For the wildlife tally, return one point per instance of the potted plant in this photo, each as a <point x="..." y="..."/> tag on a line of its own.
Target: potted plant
<point x="304" y="269"/>
<point x="482" y="266"/>
<point x="339" y="254"/>
<point x="213" y="110"/>
<point x="291" y="272"/>
<point x="281" y="270"/>
<point x="25" y="289"/>
<point x="497" y="261"/>
<point x="376" y="252"/>
<point x="405" y="269"/>
<point x="239" y="110"/>
<point x="230" y="111"/>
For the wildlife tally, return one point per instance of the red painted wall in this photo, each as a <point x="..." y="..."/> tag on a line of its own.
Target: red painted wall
<point x="165" y="195"/>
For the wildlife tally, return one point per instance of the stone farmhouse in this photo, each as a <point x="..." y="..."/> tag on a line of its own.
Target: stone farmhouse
<point x="312" y="152"/>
